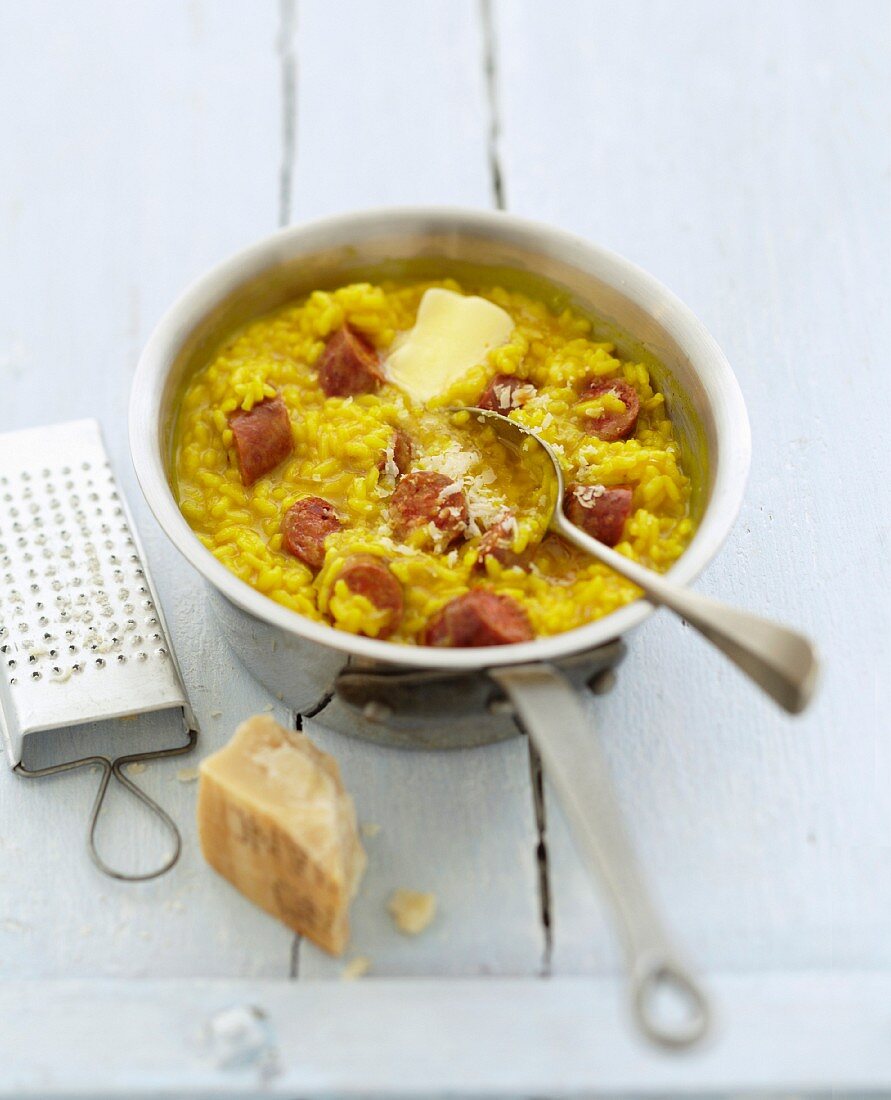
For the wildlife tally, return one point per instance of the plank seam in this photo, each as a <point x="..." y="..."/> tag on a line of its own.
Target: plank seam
<point x="287" y="57"/>
<point x="499" y="200"/>
<point x="536" y="774"/>
<point x="490" y="72"/>
<point x="300" y="717"/>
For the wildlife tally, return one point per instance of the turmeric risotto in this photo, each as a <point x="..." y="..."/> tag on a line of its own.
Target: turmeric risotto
<point x="318" y="458"/>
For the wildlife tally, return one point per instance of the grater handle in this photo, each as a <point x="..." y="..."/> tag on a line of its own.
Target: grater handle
<point x="114" y="768"/>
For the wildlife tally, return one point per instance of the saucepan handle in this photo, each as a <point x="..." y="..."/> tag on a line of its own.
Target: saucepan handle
<point x="553" y="716"/>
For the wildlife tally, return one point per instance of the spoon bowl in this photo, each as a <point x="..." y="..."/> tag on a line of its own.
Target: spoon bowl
<point x="781" y="661"/>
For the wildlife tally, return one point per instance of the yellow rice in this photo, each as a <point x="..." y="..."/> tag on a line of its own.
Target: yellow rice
<point x="338" y="443"/>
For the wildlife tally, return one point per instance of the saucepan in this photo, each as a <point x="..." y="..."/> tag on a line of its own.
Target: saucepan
<point x="453" y="698"/>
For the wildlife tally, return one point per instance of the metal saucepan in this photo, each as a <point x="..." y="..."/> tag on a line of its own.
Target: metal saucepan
<point x="406" y="695"/>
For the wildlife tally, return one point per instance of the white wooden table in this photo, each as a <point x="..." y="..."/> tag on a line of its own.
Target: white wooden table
<point x="740" y="153"/>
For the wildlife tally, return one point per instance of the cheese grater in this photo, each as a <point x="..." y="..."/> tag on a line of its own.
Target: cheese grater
<point x="82" y="636"/>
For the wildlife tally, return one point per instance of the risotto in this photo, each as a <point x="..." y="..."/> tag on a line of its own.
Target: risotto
<point x="312" y="475"/>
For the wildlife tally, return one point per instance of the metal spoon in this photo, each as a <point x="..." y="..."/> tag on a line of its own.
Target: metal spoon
<point x="780" y="660"/>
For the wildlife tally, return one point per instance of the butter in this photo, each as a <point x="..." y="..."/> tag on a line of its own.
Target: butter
<point x="452" y="333"/>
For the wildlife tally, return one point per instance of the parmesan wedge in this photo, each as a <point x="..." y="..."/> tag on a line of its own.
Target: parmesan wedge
<point x="274" y="819"/>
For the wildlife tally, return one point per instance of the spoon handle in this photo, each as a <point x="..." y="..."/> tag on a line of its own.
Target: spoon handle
<point x="780" y="660"/>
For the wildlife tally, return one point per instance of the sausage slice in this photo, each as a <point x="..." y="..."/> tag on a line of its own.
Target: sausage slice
<point x="424" y="497"/>
<point x="306" y="526"/>
<point x="497" y="543"/>
<point x="610" y="426"/>
<point x="370" y="577"/>
<point x="349" y="364"/>
<point x="262" y="437"/>
<point x="506" y="392"/>
<point x="600" y="512"/>
<point x="478" y="618"/>
<point x="402" y="453"/>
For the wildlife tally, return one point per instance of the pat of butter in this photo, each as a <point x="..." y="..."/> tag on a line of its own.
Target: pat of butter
<point x="452" y="333"/>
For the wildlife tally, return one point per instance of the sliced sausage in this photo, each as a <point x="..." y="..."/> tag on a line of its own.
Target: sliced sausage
<point x="306" y="526"/>
<point x="600" y="512"/>
<point x="262" y="437"/>
<point x="349" y="364"/>
<point x="370" y="577"/>
<point x="424" y="497"/>
<point x="610" y="426"/>
<point x="506" y="392"/>
<point x="497" y="543"/>
<point x="402" y="452"/>
<point x="479" y="618"/>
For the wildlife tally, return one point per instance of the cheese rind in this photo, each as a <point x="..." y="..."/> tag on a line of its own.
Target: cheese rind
<point x="274" y="819"/>
<point x="452" y="333"/>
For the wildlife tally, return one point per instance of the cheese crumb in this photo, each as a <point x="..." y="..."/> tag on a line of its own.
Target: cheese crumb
<point x="411" y="910"/>
<point x="356" y="968"/>
<point x="187" y="775"/>
<point x="135" y="769"/>
<point x="370" y="829"/>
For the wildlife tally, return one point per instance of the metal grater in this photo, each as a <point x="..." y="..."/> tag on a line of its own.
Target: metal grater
<point x="82" y="636"/>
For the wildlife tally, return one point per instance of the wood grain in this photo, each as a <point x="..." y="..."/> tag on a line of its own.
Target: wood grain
<point x="138" y="162"/>
<point x="460" y="824"/>
<point x="806" y="1034"/>
<point x="741" y="155"/>
<point x="124" y="177"/>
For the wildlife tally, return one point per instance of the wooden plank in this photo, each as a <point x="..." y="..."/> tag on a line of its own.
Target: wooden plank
<point x="811" y="1034"/>
<point x="391" y="106"/>
<point x="403" y="120"/>
<point x="741" y="155"/>
<point x="144" y="145"/>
